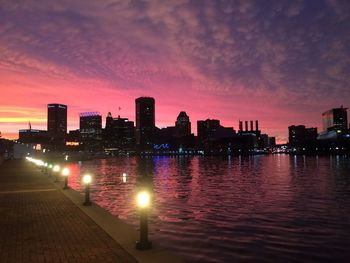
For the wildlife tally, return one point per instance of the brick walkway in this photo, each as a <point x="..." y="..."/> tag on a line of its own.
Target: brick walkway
<point x="39" y="224"/>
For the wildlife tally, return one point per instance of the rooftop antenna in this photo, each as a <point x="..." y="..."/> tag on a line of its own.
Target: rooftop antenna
<point x="29" y="125"/>
<point x="119" y="112"/>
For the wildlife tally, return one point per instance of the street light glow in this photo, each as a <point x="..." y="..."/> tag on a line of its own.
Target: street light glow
<point x="87" y="179"/>
<point x="56" y="168"/>
<point x="65" y="171"/>
<point x="143" y="199"/>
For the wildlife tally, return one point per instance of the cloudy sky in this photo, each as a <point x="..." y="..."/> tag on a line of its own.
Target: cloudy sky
<point x="281" y="62"/>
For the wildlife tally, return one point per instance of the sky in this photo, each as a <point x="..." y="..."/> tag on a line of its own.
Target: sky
<point x="279" y="62"/>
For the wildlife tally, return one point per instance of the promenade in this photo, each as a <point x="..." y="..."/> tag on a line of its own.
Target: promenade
<point x="40" y="223"/>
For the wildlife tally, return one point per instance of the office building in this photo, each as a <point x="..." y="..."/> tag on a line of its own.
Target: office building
<point x="56" y="122"/>
<point x="119" y="133"/>
<point x="90" y="126"/>
<point x="32" y="136"/>
<point x="90" y="123"/>
<point x="335" y="119"/>
<point x="299" y="135"/>
<point x="210" y="130"/>
<point x="183" y="125"/>
<point x="145" y="122"/>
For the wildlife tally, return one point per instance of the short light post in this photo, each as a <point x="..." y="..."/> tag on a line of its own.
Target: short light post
<point x="143" y="202"/>
<point x="46" y="165"/>
<point x="50" y="166"/>
<point x="87" y="180"/>
<point x="65" y="173"/>
<point x="56" y="168"/>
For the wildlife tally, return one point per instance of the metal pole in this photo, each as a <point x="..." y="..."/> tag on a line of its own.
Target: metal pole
<point x="87" y="195"/>
<point x="144" y="243"/>
<point x="65" y="182"/>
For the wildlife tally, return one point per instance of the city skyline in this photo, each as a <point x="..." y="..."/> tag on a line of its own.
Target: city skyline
<point x="279" y="63"/>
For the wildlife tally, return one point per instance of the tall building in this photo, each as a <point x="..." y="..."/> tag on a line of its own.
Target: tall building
<point x="119" y="133"/>
<point x="183" y="124"/>
<point x="57" y="122"/>
<point x="90" y="125"/>
<point x="335" y="119"/>
<point x="145" y="122"/>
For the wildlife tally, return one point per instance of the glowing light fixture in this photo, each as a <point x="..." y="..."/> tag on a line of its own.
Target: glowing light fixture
<point x="143" y="199"/>
<point x="87" y="180"/>
<point x="56" y="168"/>
<point x="65" y="171"/>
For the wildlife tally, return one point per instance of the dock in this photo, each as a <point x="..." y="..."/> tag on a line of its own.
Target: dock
<point x="40" y="222"/>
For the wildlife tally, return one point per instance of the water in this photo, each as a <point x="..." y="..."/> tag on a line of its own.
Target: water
<point x="275" y="208"/>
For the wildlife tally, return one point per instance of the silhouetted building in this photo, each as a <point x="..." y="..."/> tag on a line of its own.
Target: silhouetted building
<point x="299" y="135"/>
<point x="145" y="122"/>
<point x="210" y="131"/>
<point x="57" y="122"/>
<point x="32" y="136"/>
<point x="335" y="119"/>
<point x="56" y="119"/>
<point x="183" y="124"/>
<point x="272" y="141"/>
<point x="90" y="127"/>
<point x="119" y="133"/>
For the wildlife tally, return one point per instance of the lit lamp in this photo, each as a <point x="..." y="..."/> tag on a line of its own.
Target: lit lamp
<point x="124" y="177"/>
<point x="56" y="168"/>
<point x="65" y="173"/>
<point x="87" y="180"/>
<point x="143" y="202"/>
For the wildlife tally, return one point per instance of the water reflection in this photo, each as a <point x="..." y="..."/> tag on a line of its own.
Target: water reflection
<point x="257" y="208"/>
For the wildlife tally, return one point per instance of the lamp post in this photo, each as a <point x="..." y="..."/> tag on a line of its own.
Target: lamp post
<point x="50" y="166"/>
<point x="56" y="168"/>
<point x="87" y="180"/>
<point x="45" y="167"/>
<point x="65" y="173"/>
<point x="143" y="202"/>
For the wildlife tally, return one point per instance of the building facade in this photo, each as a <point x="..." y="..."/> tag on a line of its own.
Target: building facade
<point x="119" y="133"/>
<point x="145" y="122"/>
<point x="57" y="122"/>
<point x="183" y="124"/>
<point x="335" y="119"/>
<point x="299" y="135"/>
<point x="90" y="127"/>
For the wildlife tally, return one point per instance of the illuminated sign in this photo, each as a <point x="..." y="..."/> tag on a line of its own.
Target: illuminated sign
<point x="38" y="147"/>
<point x="72" y="143"/>
<point x="163" y="146"/>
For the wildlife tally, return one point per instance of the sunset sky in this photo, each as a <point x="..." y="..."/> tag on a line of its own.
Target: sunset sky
<point x="281" y="62"/>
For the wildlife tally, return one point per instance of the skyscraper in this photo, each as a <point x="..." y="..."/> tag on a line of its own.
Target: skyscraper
<point x="90" y="127"/>
<point x="119" y="133"/>
<point x="145" y="122"/>
<point x="183" y="124"/>
<point x="56" y="121"/>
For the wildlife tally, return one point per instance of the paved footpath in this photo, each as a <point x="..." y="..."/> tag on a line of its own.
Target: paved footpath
<point x="40" y="224"/>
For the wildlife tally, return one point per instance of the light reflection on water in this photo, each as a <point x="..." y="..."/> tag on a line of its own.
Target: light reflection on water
<point x="275" y="208"/>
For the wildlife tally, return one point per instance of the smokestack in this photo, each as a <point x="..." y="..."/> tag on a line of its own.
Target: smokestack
<point x="256" y="125"/>
<point x="240" y="125"/>
<point x="251" y="126"/>
<point x="246" y="125"/>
